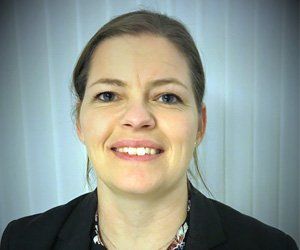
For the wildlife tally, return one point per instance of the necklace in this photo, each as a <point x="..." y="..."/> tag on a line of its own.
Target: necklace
<point x="176" y="243"/>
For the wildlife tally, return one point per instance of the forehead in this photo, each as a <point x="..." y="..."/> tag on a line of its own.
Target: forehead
<point x="144" y="57"/>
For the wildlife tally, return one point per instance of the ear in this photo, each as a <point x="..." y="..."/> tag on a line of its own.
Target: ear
<point x="78" y="125"/>
<point x="201" y="124"/>
<point x="79" y="131"/>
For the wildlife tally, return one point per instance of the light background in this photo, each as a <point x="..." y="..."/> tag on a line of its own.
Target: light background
<point x="250" y="51"/>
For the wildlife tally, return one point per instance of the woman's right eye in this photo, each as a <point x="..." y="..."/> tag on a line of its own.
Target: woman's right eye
<point x="106" y="96"/>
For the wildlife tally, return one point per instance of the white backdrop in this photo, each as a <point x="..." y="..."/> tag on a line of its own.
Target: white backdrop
<point x="250" y="50"/>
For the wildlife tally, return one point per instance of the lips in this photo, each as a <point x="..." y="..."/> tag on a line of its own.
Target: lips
<point x="137" y="144"/>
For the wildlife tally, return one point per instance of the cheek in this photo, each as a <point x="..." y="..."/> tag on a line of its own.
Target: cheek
<point x="95" y="127"/>
<point x="181" y="128"/>
<point x="181" y="131"/>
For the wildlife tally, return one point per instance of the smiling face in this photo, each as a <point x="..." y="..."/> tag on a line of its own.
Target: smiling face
<point x="139" y="95"/>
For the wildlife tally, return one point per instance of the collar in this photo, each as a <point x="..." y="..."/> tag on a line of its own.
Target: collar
<point x="75" y="233"/>
<point x="205" y="228"/>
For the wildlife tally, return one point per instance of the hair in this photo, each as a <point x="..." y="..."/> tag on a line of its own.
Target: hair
<point x="137" y="23"/>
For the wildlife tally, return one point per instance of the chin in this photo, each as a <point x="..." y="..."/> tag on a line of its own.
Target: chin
<point x="137" y="186"/>
<point x="134" y="180"/>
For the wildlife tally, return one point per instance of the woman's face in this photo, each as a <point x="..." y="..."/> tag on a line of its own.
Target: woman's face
<point x="139" y="95"/>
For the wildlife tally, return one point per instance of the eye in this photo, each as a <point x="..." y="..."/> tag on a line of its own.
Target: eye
<point x="107" y="96"/>
<point x="170" y="99"/>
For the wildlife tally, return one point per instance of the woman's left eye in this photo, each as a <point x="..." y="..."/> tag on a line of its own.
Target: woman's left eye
<point x="170" y="99"/>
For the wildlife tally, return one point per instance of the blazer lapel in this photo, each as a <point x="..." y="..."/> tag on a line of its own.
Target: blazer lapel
<point x="205" y="230"/>
<point x="75" y="233"/>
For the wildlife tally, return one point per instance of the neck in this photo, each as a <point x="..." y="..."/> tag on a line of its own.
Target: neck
<point x="127" y="221"/>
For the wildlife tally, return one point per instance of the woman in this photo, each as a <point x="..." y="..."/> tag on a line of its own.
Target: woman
<point x="140" y="85"/>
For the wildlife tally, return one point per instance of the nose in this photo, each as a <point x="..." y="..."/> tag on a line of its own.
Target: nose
<point x="137" y="116"/>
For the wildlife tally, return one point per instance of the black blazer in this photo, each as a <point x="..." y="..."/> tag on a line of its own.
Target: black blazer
<point x="213" y="225"/>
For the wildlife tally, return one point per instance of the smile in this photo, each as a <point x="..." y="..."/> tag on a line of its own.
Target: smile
<point x="138" y="151"/>
<point x="137" y="154"/>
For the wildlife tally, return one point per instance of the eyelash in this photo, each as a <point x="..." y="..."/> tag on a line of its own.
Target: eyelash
<point x="179" y="100"/>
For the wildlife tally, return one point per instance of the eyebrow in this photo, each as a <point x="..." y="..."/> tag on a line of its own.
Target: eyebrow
<point x="154" y="83"/>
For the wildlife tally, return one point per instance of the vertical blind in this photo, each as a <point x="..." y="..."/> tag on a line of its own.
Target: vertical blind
<point x="250" y="50"/>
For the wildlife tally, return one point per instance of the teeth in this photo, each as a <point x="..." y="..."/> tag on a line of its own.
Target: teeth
<point x="138" y="151"/>
<point x="152" y="151"/>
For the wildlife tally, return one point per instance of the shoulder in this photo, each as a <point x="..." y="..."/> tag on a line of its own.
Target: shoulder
<point x="223" y="227"/>
<point x="43" y="226"/>
<point x="241" y="228"/>
<point x="57" y="215"/>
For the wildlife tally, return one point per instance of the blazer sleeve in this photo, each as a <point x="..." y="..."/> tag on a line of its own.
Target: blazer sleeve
<point x="291" y="244"/>
<point x="6" y="237"/>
